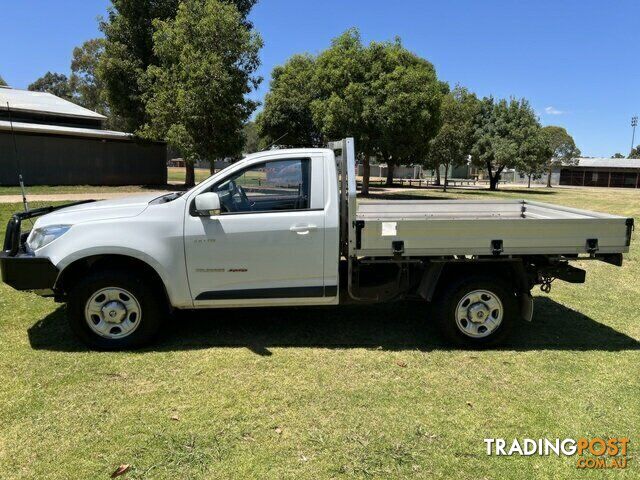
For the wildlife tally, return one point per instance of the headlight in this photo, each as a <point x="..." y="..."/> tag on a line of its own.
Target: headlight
<point x="40" y="237"/>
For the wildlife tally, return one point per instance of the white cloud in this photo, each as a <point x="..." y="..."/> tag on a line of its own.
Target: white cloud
<point x="553" y="111"/>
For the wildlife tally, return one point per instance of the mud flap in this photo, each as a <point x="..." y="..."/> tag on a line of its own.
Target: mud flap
<point x="526" y="306"/>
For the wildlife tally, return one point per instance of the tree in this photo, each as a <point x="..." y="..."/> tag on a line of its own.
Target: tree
<point x="54" y="83"/>
<point x="88" y="88"/>
<point x="286" y="117"/>
<point x="635" y="152"/>
<point x="617" y="155"/>
<point x="383" y="95"/>
<point x="2" y="82"/>
<point x="251" y="138"/>
<point x="403" y="101"/>
<point x="536" y="153"/>
<point x="563" y="149"/>
<point x="452" y="144"/>
<point x="207" y="58"/>
<point x="129" y="51"/>
<point x="339" y="82"/>
<point x="500" y="139"/>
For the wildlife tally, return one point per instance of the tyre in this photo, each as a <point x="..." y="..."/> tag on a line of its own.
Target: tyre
<point x="476" y="311"/>
<point x="114" y="310"/>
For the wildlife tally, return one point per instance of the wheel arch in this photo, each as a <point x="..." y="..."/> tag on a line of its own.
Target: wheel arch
<point x="439" y="273"/>
<point x="80" y="267"/>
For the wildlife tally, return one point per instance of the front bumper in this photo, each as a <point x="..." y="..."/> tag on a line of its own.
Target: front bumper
<point x="26" y="272"/>
<point x="21" y="270"/>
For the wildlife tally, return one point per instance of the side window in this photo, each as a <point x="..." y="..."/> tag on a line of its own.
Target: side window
<point x="267" y="187"/>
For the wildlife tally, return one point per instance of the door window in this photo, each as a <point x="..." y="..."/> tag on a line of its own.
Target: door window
<point x="266" y="187"/>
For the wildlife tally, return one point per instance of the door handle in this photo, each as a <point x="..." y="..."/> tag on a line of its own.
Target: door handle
<point x="303" y="229"/>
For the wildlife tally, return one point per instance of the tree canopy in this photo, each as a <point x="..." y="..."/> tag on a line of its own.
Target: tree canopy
<point x="537" y="153"/>
<point x="453" y="142"/>
<point x="384" y="96"/>
<point x="502" y="131"/>
<point x="251" y="138"/>
<point x="82" y="86"/>
<point x="635" y="152"/>
<point x="563" y="150"/>
<point x="286" y="117"/>
<point x="88" y="88"/>
<point x="2" y="82"/>
<point x="55" y="83"/>
<point x="129" y="51"/>
<point x="197" y="94"/>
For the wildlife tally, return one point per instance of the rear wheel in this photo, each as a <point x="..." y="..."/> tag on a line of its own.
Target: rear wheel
<point x="111" y="310"/>
<point x="477" y="311"/>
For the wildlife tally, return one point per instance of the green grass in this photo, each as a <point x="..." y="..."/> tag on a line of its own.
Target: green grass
<point x="364" y="392"/>
<point x="177" y="174"/>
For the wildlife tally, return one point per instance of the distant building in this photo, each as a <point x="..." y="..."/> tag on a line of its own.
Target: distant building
<point x="379" y="170"/>
<point x="602" y="172"/>
<point x="61" y="143"/>
<point x="588" y="172"/>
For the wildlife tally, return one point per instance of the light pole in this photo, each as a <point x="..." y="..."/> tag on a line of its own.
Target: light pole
<point x="634" y="124"/>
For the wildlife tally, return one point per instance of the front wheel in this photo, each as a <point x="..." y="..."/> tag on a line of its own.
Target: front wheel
<point x="477" y="311"/>
<point x="111" y="310"/>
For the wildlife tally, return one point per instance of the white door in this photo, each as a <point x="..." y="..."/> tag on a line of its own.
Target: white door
<point x="267" y="245"/>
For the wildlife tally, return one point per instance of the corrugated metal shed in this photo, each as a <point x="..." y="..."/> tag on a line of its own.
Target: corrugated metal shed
<point x="44" y="158"/>
<point x="602" y="172"/>
<point x="42" y="102"/>
<point x="608" y="163"/>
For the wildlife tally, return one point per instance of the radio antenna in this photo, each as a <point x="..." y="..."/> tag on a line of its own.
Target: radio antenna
<point x="15" y="151"/>
<point x="278" y="139"/>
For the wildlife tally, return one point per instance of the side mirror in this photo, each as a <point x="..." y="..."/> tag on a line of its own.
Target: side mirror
<point x="208" y="204"/>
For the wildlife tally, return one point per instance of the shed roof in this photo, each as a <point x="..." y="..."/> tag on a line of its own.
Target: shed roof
<point x="20" y="127"/>
<point x="43" y="102"/>
<point x="609" y="162"/>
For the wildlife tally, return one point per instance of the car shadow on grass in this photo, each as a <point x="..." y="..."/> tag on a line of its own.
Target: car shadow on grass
<point x="395" y="326"/>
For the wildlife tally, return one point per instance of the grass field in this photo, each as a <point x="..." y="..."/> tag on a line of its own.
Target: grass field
<point x="177" y="174"/>
<point x="307" y="393"/>
<point x="174" y="174"/>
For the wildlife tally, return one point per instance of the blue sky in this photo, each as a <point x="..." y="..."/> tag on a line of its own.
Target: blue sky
<point x="576" y="61"/>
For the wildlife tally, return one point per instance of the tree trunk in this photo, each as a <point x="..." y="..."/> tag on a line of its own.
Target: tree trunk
<point x="366" y="173"/>
<point x="549" y="176"/>
<point x="390" y="169"/>
<point x="529" y="185"/>
<point x="446" y="176"/>
<point x="494" y="178"/>
<point x="212" y="167"/>
<point x="190" y="176"/>
<point x="437" y="184"/>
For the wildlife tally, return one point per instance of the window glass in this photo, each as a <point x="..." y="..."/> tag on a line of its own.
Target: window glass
<point x="267" y="187"/>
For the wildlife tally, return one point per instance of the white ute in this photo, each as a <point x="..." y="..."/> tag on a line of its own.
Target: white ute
<point x="282" y="227"/>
